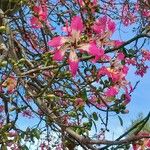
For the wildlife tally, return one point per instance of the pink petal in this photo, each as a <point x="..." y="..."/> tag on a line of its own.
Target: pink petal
<point x="102" y="71"/>
<point x="148" y="143"/>
<point x="125" y="70"/>
<point x="41" y="11"/>
<point x="121" y="56"/>
<point x="100" y="25"/>
<point x="35" y="23"/>
<point x="95" y="51"/>
<point x="73" y="63"/>
<point x="104" y="24"/>
<point x="59" y="55"/>
<point x="134" y="146"/>
<point x="56" y="41"/>
<point x="37" y="9"/>
<point x="117" y="43"/>
<point x="112" y="91"/>
<point x="95" y="2"/>
<point x="111" y="25"/>
<point x="73" y="67"/>
<point x="80" y="2"/>
<point x="76" y="23"/>
<point x="43" y="16"/>
<point x="67" y="28"/>
<point x="127" y="96"/>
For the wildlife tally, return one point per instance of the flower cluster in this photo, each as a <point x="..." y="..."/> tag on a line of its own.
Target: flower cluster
<point x="116" y="73"/>
<point x="40" y="15"/>
<point x="73" y="42"/>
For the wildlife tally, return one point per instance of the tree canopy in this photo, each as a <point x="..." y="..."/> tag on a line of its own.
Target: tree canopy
<point x="65" y="63"/>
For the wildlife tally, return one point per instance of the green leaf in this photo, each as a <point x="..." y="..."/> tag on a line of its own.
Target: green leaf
<point x="79" y="131"/>
<point x="121" y="121"/>
<point x="2" y="29"/>
<point x="4" y="147"/>
<point x="37" y="134"/>
<point x="24" y="147"/>
<point x="72" y="114"/>
<point x="84" y="95"/>
<point x="95" y="117"/>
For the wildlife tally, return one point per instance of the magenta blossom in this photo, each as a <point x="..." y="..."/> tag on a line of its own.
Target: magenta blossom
<point x="104" y="25"/>
<point x="41" y="15"/>
<point x="111" y="91"/>
<point x="72" y="43"/>
<point x="120" y="56"/>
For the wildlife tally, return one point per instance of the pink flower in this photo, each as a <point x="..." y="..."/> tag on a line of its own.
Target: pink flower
<point x="73" y="62"/>
<point x="27" y="113"/>
<point x="146" y="55"/>
<point x="41" y="13"/>
<point x="127" y="17"/>
<point x="63" y="43"/>
<point x="137" y="6"/>
<point x="130" y="61"/>
<point x="59" y="55"/>
<point x="121" y="56"/>
<point x="35" y="23"/>
<point x="57" y="41"/>
<point x="111" y="91"/>
<point x="125" y="70"/>
<point x="70" y="42"/>
<point x="102" y="71"/>
<point x="145" y="144"/>
<point x="92" y="49"/>
<point x="146" y="13"/>
<point x="103" y="25"/>
<point x="141" y="69"/>
<point x="117" y="43"/>
<point x="44" y="146"/>
<point x="116" y="72"/>
<point x="100" y="25"/>
<point x="12" y="133"/>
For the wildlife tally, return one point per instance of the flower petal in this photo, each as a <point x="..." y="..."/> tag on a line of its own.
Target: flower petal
<point x="35" y="23"/>
<point x="73" y="63"/>
<point x="76" y="24"/>
<point x="111" y="25"/>
<point x="120" y="56"/>
<point x="59" y="55"/>
<point x="57" y="41"/>
<point x="100" y="25"/>
<point x="95" y="51"/>
<point x="117" y="43"/>
<point x="104" y="24"/>
<point x="111" y="91"/>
